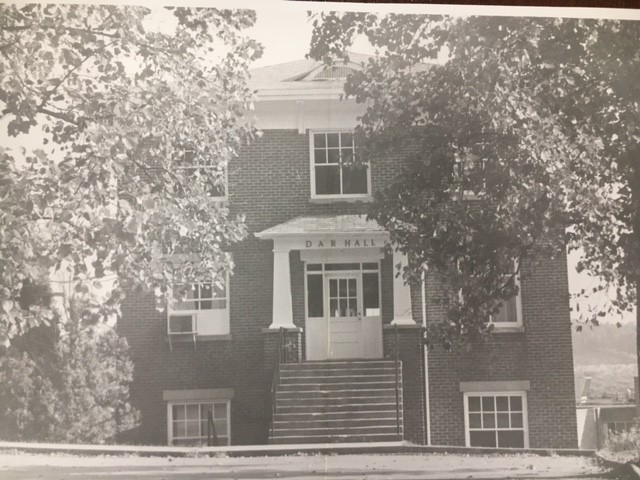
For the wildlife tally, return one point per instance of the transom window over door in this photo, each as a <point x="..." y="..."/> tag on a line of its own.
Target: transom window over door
<point x="335" y="171"/>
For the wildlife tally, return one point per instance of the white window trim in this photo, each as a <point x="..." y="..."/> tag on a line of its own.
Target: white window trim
<point x="314" y="196"/>
<point x="518" y="325"/>
<point x="525" y="412"/>
<point x="170" y="405"/>
<point x="223" y="198"/>
<point x="194" y="312"/>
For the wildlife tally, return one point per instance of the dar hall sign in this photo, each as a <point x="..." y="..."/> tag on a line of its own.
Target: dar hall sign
<point x="342" y="243"/>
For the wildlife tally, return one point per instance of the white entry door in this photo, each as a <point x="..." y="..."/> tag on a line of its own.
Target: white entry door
<point x="344" y="319"/>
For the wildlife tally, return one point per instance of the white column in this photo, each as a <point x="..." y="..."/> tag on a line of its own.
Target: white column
<point x="402" y="314"/>
<point x="282" y="305"/>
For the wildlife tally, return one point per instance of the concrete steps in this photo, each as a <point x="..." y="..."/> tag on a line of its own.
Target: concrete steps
<point x="345" y="401"/>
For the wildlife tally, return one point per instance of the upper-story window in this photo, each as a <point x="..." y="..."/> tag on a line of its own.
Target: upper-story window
<point x="214" y="176"/>
<point x="510" y="313"/>
<point x="335" y="171"/>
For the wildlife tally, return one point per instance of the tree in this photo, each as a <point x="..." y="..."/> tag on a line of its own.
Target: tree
<point x="68" y="381"/>
<point x="129" y="130"/>
<point x="526" y="140"/>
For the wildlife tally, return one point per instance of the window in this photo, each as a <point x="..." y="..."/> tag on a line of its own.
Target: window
<point x="188" y="423"/>
<point x="203" y="311"/>
<point x="497" y="420"/>
<point x="620" y="426"/>
<point x="335" y="173"/>
<point x="214" y="177"/>
<point x="510" y="313"/>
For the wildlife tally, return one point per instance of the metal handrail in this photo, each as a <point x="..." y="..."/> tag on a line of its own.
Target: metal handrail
<point x="395" y="331"/>
<point x="282" y="336"/>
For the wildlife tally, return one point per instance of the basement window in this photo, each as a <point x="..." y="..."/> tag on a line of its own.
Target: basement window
<point x="496" y="419"/>
<point x="189" y="423"/>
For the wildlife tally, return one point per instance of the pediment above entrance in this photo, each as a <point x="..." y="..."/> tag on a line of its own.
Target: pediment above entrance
<point x="338" y="233"/>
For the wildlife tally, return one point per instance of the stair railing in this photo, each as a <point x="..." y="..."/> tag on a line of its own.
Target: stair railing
<point x="212" y="436"/>
<point x="395" y="331"/>
<point x="280" y="359"/>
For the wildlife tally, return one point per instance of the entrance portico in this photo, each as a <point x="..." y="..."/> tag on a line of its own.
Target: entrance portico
<point x="342" y="284"/>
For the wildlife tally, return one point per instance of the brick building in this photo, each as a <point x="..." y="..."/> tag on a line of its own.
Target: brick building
<point x="312" y="285"/>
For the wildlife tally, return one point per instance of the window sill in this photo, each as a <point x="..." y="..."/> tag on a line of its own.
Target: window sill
<point x="188" y="338"/>
<point x="321" y="200"/>
<point x="508" y="329"/>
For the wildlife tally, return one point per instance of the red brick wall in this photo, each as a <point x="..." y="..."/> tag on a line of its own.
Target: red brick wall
<point x="270" y="184"/>
<point x="542" y="354"/>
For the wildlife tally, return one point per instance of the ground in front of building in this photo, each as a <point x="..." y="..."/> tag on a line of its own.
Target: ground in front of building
<point x="408" y="466"/>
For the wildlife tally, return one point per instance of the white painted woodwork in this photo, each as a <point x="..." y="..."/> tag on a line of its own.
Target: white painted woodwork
<point x="282" y="305"/>
<point x="302" y="115"/>
<point x="402" y="314"/>
<point x="213" y="322"/>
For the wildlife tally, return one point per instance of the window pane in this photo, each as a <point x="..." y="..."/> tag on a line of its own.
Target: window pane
<point x="511" y="439"/>
<point x="333" y="288"/>
<point x="320" y="156"/>
<point x="502" y="404"/>
<point x="488" y="420"/>
<point x="178" y="412"/>
<point x="482" y="439"/>
<point x="206" y="291"/>
<point x="474" y="404"/>
<point x="220" y="411"/>
<point x="475" y="420"/>
<point x="314" y="296"/>
<point x="333" y="308"/>
<point x="333" y="139"/>
<point x="342" y="266"/>
<point x="507" y="313"/>
<point x="370" y="291"/>
<point x="488" y="404"/>
<point x="346" y="155"/>
<point x="204" y="409"/>
<point x="352" y="287"/>
<point x="319" y="140"/>
<point x="333" y="156"/>
<point x="347" y="139"/>
<point x="354" y="180"/>
<point x="179" y="429"/>
<point x="503" y="420"/>
<point x="193" y="428"/>
<point x="221" y="427"/>
<point x="343" y="307"/>
<point x="516" y="403"/>
<point x="370" y="266"/>
<point x="516" y="420"/>
<point x="193" y="412"/>
<point x="328" y="180"/>
<point x="314" y="267"/>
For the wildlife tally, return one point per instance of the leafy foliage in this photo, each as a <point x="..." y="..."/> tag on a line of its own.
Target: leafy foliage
<point x="625" y="441"/>
<point x="66" y="382"/>
<point x="524" y="141"/>
<point x="113" y="105"/>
